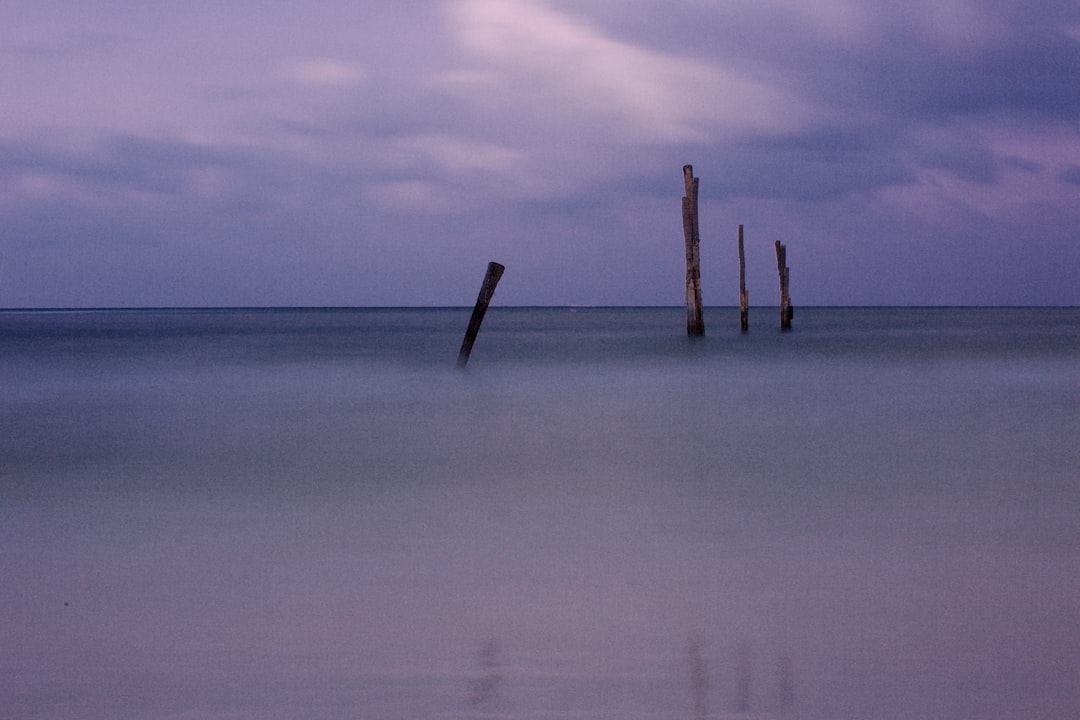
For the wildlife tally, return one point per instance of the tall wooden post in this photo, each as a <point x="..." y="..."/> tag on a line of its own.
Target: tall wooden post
<point x="491" y="279"/>
<point x="744" y="298"/>
<point x="785" y="274"/>
<point x="695" y="323"/>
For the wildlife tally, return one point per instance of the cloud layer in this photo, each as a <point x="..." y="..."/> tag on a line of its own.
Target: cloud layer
<point x="200" y="154"/>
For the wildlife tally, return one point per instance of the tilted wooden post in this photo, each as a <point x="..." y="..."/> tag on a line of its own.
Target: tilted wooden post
<point x="695" y="323"/>
<point x="491" y="279"/>
<point x="785" y="273"/>
<point x="744" y="298"/>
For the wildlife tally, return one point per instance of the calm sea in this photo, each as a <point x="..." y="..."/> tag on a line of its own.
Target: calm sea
<point x="264" y="514"/>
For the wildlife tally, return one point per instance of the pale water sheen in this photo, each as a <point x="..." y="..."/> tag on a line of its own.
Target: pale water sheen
<point x="258" y="514"/>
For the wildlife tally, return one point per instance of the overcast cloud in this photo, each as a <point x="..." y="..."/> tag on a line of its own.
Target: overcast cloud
<point x="380" y="153"/>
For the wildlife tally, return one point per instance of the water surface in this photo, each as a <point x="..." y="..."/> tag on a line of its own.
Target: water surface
<point x="253" y="514"/>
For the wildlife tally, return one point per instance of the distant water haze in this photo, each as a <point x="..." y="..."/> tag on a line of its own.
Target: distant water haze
<point x="257" y="514"/>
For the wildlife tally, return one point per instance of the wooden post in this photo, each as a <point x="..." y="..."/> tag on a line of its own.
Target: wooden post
<point x="744" y="298"/>
<point x="695" y="323"/>
<point x="784" y="271"/>
<point x="491" y="279"/>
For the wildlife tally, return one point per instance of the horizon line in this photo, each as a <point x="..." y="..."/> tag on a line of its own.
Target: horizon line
<point x="189" y="308"/>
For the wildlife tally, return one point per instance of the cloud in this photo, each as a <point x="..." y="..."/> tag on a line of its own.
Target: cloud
<point x="846" y="20"/>
<point x="408" y="196"/>
<point x="458" y="156"/>
<point x="549" y="132"/>
<point x="561" y="66"/>
<point x="121" y="170"/>
<point x="325" y="72"/>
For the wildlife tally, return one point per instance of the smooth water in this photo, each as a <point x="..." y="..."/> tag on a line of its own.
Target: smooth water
<point x="261" y="514"/>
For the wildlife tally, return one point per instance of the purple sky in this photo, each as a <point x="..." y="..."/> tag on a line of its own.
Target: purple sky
<point x="337" y="152"/>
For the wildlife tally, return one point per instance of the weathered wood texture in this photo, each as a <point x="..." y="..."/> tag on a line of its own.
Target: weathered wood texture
<point x="695" y="322"/>
<point x="487" y="290"/>
<point x="744" y="297"/>
<point x="784" y="271"/>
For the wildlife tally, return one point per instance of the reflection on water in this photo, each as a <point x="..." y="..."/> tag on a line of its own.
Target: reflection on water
<point x="280" y="514"/>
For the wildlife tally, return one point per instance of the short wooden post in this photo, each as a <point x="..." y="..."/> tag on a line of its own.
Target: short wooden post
<point x="491" y="279"/>
<point x="784" y="271"/>
<point x="744" y="298"/>
<point x="695" y="323"/>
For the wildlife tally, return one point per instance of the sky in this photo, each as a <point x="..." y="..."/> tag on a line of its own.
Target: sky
<point x="343" y="153"/>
